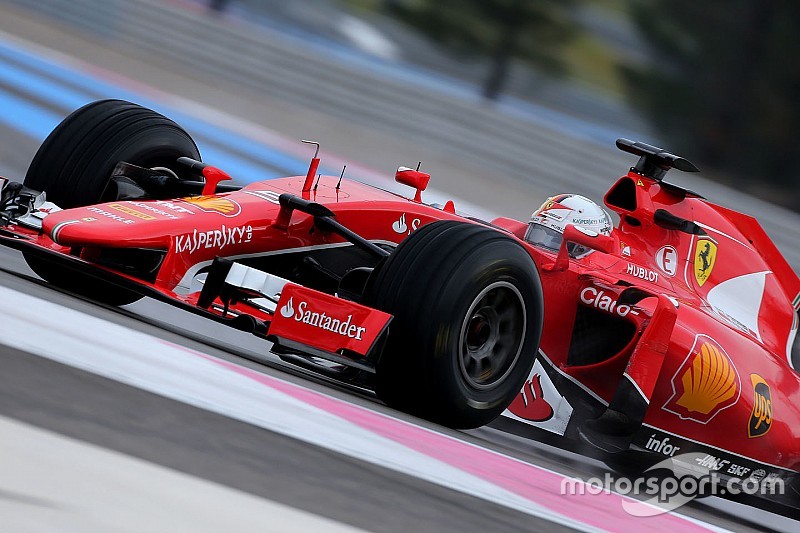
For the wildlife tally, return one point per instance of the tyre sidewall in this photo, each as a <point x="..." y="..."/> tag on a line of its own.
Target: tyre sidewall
<point x="481" y="269"/>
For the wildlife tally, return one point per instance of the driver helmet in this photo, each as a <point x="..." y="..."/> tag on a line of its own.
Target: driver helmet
<point x="546" y="227"/>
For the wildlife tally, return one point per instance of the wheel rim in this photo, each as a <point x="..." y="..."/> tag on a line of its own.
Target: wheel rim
<point x="492" y="335"/>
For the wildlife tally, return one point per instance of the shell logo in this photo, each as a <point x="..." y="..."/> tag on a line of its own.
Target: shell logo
<point x="705" y="384"/>
<point x="214" y="204"/>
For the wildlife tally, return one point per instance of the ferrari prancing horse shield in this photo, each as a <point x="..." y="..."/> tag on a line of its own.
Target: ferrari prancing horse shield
<point x="705" y="255"/>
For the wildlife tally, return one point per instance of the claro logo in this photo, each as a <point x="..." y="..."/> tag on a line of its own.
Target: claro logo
<point x="600" y="300"/>
<point x="321" y="320"/>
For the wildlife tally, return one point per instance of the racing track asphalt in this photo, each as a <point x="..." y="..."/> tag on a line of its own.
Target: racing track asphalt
<point x="244" y="457"/>
<point x="16" y="150"/>
<point x="119" y="417"/>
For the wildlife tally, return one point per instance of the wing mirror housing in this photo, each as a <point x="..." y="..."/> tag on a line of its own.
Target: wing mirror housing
<point x="585" y="237"/>
<point x="413" y="178"/>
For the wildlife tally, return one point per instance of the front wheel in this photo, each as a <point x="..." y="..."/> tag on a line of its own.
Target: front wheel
<point x="76" y="160"/>
<point x="467" y="306"/>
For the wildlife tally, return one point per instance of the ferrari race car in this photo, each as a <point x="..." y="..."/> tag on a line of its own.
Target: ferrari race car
<point x="670" y="336"/>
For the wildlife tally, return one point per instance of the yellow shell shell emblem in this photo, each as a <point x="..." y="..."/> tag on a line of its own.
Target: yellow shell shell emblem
<point x="214" y="204"/>
<point x="705" y="256"/>
<point x="705" y="384"/>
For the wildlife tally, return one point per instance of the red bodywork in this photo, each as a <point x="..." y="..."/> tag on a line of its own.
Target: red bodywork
<point x="702" y="324"/>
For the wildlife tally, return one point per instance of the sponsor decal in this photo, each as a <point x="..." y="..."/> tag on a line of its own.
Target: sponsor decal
<point x="109" y="214"/>
<point x="400" y="226"/>
<point x="553" y="210"/>
<point x="732" y="321"/>
<point x="269" y="196"/>
<point x="586" y="222"/>
<point x="761" y="418"/>
<point x="625" y="249"/>
<point x="718" y="464"/>
<point x="540" y="404"/>
<point x="705" y="384"/>
<point x="217" y="239"/>
<point x="639" y="182"/>
<point x="214" y="204"/>
<point x="530" y="403"/>
<point x="662" y="446"/>
<point x="130" y="211"/>
<point x="174" y="207"/>
<point x="642" y="273"/>
<point x="598" y="299"/>
<point x="325" y="322"/>
<point x="667" y="259"/>
<point x="156" y="210"/>
<point x="88" y="219"/>
<point x="321" y="320"/>
<point x="552" y="202"/>
<point x="705" y="256"/>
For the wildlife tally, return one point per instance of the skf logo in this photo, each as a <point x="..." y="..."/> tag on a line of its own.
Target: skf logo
<point x="214" y="204"/>
<point x="705" y="256"/>
<point x="761" y="418"/>
<point x="400" y="226"/>
<point x="705" y="384"/>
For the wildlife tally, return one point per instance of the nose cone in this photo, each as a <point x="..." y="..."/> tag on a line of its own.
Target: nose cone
<point x="148" y="223"/>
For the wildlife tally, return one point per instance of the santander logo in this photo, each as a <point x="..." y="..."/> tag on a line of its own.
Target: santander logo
<point x="400" y="226"/>
<point x="322" y="320"/>
<point x="287" y="311"/>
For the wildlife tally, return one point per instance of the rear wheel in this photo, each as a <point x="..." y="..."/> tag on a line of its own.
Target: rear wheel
<point x="467" y="306"/>
<point x="75" y="162"/>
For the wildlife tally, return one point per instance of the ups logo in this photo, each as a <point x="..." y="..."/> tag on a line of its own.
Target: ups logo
<point x="761" y="418"/>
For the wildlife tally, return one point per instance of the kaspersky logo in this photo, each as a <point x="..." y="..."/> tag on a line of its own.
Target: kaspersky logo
<point x="305" y="315"/>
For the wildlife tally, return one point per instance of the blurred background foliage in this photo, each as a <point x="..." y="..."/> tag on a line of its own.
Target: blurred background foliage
<point x="723" y="81"/>
<point x="718" y="81"/>
<point x="502" y="30"/>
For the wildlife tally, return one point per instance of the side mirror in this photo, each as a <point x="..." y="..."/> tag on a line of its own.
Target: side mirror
<point x="585" y="237"/>
<point x="413" y="178"/>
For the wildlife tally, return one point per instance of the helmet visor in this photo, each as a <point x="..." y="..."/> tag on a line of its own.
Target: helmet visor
<point x="543" y="237"/>
<point x="551" y="239"/>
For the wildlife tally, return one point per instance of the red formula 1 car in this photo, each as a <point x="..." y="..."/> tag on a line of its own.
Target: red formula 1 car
<point x="673" y="334"/>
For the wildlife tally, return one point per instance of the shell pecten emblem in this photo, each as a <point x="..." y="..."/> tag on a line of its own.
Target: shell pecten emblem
<point x="706" y="383"/>
<point x="214" y="204"/>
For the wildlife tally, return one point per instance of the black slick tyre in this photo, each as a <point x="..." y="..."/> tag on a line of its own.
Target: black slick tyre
<point x="76" y="160"/>
<point x="467" y="305"/>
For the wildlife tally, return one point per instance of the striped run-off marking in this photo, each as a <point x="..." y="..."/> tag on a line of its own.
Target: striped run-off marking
<point x="176" y="372"/>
